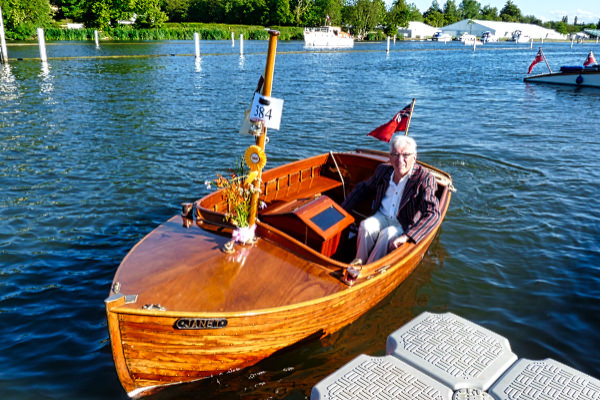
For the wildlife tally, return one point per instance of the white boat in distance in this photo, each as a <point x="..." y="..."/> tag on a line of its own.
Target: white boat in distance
<point x="519" y="37"/>
<point x="441" y="37"/>
<point x="469" y="39"/>
<point x="488" y="37"/>
<point x="328" y="37"/>
<point x="570" y="75"/>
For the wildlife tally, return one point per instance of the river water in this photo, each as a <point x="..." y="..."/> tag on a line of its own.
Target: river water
<point x="96" y="151"/>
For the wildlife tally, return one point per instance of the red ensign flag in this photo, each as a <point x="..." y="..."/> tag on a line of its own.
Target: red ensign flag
<point x="590" y="59"/>
<point x="539" y="57"/>
<point x="397" y="124"/>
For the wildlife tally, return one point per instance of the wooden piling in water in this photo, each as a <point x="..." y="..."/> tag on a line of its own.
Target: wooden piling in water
<point x="197" y="44"/>
<point x="96" y="38"/>
<point x="42" y="44"/>
<point x="3" y="50"/>
<point x="241" y="44"/>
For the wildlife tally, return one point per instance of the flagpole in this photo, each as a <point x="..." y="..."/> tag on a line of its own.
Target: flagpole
<point x="412" y="107"/>
<point x="543" y="55"/>
<point x="261" y="140"/>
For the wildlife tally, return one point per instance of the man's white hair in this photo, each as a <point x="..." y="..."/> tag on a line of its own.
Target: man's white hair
<point x="401" y="140"/>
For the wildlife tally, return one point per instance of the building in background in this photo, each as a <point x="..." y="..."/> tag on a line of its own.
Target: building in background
<point x="417" y="30"/>
<point x="502" y="30"/>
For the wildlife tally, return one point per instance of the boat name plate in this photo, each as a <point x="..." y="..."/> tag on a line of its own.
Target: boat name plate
<point x="200" y="323"/>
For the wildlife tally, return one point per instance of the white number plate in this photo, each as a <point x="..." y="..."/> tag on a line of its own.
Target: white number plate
<point x="266" y="109"/>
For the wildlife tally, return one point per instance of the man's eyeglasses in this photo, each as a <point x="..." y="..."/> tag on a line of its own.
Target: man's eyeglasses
<point x="401" y="155"/>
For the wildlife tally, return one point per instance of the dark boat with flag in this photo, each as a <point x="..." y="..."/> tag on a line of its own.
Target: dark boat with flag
<point x="201" y="296"/>
<point x="586" y="75"/>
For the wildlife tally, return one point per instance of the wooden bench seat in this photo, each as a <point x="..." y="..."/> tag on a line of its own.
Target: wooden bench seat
<point x="288" y="188"/>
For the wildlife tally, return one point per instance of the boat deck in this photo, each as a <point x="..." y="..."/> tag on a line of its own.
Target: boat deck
<point x="177" y="268"/>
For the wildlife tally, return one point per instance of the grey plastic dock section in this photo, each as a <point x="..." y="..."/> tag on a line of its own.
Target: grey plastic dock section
<point x="434" y="354"/>
<point x="371" y="378"/>
<point x="453" y="350"/>
<point x="545" y="379"/>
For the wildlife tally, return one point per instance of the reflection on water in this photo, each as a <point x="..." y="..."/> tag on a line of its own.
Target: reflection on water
<point x="8" y="85"/>
<point x="98" y="152"/>
<point x="46" y="85"/>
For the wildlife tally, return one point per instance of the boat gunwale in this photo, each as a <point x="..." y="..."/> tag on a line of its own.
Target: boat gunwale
<point x="390" y="263"/>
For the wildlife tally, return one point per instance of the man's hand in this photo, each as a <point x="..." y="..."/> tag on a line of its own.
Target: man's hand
<point x="399" y="241"/>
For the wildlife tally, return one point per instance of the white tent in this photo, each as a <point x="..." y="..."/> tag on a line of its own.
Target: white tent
<point x="500" y="29"/>
<point x="417" y="30"/>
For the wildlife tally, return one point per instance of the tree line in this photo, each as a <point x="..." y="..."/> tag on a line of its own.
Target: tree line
<point x="22" y="17"/>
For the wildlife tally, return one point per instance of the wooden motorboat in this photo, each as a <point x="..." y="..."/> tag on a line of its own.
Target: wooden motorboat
<point x="186" y="303"/>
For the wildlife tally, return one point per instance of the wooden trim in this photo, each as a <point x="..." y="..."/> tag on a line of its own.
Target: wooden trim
<point x="114" y="329"/>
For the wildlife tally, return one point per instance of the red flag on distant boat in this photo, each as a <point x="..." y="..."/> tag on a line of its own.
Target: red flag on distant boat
<point x="397" y="124"/>
<point x="539" y="57"/>
<point x="590" y="59"/>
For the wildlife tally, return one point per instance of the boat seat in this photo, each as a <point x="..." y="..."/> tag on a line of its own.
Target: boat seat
<point x="283" y="189"/>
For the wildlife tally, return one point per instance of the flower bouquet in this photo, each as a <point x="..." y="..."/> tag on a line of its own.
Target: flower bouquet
<point x="237" y="190"/>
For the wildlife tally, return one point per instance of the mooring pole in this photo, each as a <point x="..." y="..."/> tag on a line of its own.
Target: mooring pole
<point x="241" y="44"/>
<point x="42" y="44"/>
<point x="388" y="45"/>
<point x="96" y="40"/>
<point x="3" y="51"/>
<point x="197" y="44"/>
<point x="260" y="140"/>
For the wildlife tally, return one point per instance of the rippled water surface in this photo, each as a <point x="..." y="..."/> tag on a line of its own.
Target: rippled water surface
<point x="97" y="151"/>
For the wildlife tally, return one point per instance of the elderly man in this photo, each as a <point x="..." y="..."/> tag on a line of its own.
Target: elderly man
<point x="405" y="207"/>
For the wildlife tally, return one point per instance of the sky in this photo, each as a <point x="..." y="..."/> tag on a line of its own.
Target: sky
<point x="587" y="11"/>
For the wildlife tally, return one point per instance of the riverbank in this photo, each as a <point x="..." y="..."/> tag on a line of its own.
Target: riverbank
<point x="181" y="31"/>
<point x="172" y="31"/>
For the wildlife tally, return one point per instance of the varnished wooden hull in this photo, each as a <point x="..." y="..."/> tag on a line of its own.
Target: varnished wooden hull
<point x="271" y="295"/>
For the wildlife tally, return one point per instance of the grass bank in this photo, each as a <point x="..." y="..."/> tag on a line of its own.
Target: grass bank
<point x="177" y="31"/>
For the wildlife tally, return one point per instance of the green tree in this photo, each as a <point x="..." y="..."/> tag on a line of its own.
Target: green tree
<point x="414" y="14"/>
<point x="148" y="13"/>
<point x="530" y="19"/>
<point x="561" y="27"/>
<point x="23" y="17"/>
<point x="470" y="9"/>
<point x="331" y="8"/>
<point x="434" y="16"/>
<point x="451" y="14"/>
<point x="365" y="15"/>
<point x="510" y="12"/>
<point x="248" y="12"/>
<point x="72" y="9"/>
<point x="177" y="10"/>
<point x="489" y="13"/>
<point x="105" y="13"/>
<point x="208" y="10"/>
<point x="279" y="12"/>
<point x="399" y="14"/>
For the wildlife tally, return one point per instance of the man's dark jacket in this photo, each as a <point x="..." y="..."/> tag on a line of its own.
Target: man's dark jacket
<point x="419" y="210"/>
